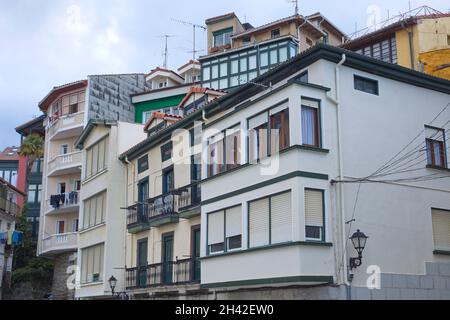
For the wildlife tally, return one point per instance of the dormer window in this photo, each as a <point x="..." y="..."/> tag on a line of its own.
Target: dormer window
<point x="246" y="39"/>
<point x="162" y="84"/>
<point x="222" y="37"/>
<point x="275" y="33"/>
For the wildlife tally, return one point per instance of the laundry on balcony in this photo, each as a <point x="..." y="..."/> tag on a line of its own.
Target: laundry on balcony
<point x="11" y="238"/>
<point x="64" y="199"/>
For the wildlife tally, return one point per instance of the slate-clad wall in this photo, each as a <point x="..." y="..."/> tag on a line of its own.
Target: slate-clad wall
<point x="109" y="96"/>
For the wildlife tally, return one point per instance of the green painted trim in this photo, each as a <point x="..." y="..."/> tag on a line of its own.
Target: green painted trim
<point x="141" y="107"/>
<point x="157" y="222"/>
<point x="253" y="282"/>
<point x="270" y="247"/>
<point x="441" y="252"/>
<point x="222" y="31"/>
<point x="311" y="175"/>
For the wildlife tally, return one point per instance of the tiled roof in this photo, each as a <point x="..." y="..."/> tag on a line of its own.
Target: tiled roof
<point x="163" y="70"/>
<point x="10" y="154"/>
<point x="189" y="62"/>
<point x="163" y="116"/>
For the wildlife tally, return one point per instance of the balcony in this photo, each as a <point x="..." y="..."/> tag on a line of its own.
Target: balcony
<point x="59" y="243"/>
<point x="65" y="164"/>
<point x="63" y="203"/>
<point x="180" y="272"/>
<point x="9" y="207"/>
<point x="66" y="126"/>
<point x="169" y="208"/>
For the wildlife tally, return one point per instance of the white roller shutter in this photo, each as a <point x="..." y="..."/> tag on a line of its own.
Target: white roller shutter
<point x="281" y="218"/>
<point x="441" y="229"/>
<point x="216" y="228"/>
<point x="234" y="222"/>
<point x="279" y="108"/>
<point x="258" y="120"/>
<point x="259" y="223"/>
<point x="314" y="208"/>
<point x="310" y="103"/>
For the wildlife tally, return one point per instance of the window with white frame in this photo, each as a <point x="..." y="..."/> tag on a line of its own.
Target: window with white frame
<point x="436" y="147"/>
<point x="232" y="147"/>
<point x="94" y="210"/>
<point x="310" y="123"/>
<point x="92" y="264"/>
<point x="225" y="230"/>
<point x="270" y="220"/>
<point x="146" y="116"/>
<point x="441" y="229"/>
<point x="314" y="215"/>
<point x="97" y="158"/>
<point x="216" y="154"/>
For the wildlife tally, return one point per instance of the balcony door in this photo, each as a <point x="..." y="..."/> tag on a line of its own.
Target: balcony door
<point x="168" y="180"/>
<point x="167" y="258"/>
<point x="142" y="198"/>
<point x="195" y="253"/>
<point x="142" y="252"/>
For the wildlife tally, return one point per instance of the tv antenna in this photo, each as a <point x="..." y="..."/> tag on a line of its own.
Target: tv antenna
<point x="296" y="5"/>
<point x="194" y="27"/>
<point x="166" y="50"/>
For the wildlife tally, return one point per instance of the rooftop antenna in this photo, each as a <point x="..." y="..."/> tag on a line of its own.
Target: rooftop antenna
<point x="296" y="5"/>
<point x="194" y="27"/>
<point x="166" y="51"/>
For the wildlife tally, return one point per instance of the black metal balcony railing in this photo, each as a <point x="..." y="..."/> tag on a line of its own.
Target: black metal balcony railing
<point x="168" y="204"/>
<point x="9" y="207"/>
<point x="171" y="273"/>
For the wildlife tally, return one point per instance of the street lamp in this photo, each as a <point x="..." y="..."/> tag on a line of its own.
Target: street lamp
<point x="359" y="240"/>
<point x="112" y="284"/>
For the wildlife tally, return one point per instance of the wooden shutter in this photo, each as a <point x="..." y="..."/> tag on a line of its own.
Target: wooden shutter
<point x="216" y="228"/>
<point x="314" y="208"/>
<point x="441" y="229"/>
<point x="281" y="218"/>
<point x="234" y="222"/>
<point x="259" y="223"/>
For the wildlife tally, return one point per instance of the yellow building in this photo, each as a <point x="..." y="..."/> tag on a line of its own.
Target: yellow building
<point x="420" y="42"/>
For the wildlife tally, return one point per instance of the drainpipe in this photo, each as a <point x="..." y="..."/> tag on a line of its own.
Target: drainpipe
<point x="298" y="33"/>
<point x="336" y="101"/>
<point x="411" y="48"/>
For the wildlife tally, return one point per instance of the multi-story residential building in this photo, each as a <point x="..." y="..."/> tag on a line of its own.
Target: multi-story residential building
<point x="68" y="109"/>
<point x="291" y="169"/>
<point x="9" y="238"/>
<point x="418" y="39"/>
<point x="102" y="231"/>
<point x="167" y="90"/>
<point x="305" y="179"/>
<point x="9" y="165"/>
<point x="238" y="52"/>
<point x="32" y="181"/>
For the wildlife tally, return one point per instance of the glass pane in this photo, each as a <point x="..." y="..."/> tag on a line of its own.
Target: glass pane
<point x="223" y="84"/>
<point x="283" y="54"/>
<point x="234" y="81"/>
<point x="223" y="69"/>
<point x="234" y="66"/>
<point x="273" y="57"/>
<point x="264" y="59"/>
<point x="252" y="62"/>
<point x="206" y="75"/>
<point x="215" y="71"/>
<point x="243" y="63"/>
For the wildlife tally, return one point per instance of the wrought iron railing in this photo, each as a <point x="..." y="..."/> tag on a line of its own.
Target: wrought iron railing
<point x="170" y="273"/>
<point x="172" y="203"/>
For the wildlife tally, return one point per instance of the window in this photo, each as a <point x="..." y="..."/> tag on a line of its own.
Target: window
<point x="441" y="229"/>
<point x="279" y="129"/>
<point x="34" y="193"/>
<point x="166" y="151"/>
<point x="75" y="225"/>
<point x="247" y="39"/>
<point x="168" y="180"/>
<point x="303" y="77"/>
<point x="92" y="264"/>
<point x="233" y="145"/>
<point x="275" y="33"/>
<point x="222" y="37"/>
<point x="260" y="135"/>
<point x="94" y="210"/>
<point x="225" y="230"/>
<point x="216" y="154"/>
<point x="97" y="158"/>
<point x="37" y="166"/>
<point x="63" y="149"/>
<point x="60" y="227"/>
<point x="314" y="215"/>
<point x="366" y="85"/>
<point x="146" y="116"/>
<point x="270" y="220"/>
<point x="76" y="185"/>
<point x="162" y="84"/>
<point x="436" y="147"/>
<point x="61" y="187"/>
<point x="310" y="123"/>
<point x="385" y="50"/>
<point x="143" y="164"/>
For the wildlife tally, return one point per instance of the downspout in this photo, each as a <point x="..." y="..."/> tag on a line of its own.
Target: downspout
<point x="298" y="33"/>
<point x="336" y="101"/>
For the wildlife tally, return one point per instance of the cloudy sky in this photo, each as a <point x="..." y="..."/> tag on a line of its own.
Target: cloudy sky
<point x="51" y="42"/>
